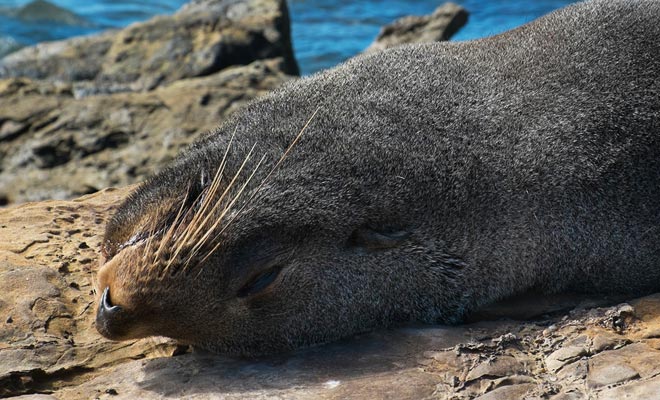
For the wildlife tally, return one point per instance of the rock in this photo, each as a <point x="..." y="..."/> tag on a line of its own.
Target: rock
<point x="48" y="344"/>
<point x="46" y="301"/>
<point x="40" y="10"/>
<point x="641" y="390"/>
<point x="648" y="310"/>
<point x="610" y="374"/>
<point x="202" y="38"/>
<point x="34" y="397"/>
<point x="53" y="145"/>
<point x="563" y="356"/>
<point x="81" y="118"/>
<point x="607" y="341"/>
<point x="445" y="21"/>
<point x="574" y="395"/>
<point x="508" y="392"/>
<point x="500" y="367"/>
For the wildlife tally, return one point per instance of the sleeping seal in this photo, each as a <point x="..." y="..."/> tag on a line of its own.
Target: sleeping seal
<point x="414" y="184"/>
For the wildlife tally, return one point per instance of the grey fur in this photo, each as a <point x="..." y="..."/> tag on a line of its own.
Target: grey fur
<point x="434" y="179"/>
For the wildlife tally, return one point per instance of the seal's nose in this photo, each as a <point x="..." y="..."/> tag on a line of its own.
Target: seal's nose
<point x="107" y="315"/>
<point x="106" y="305"/>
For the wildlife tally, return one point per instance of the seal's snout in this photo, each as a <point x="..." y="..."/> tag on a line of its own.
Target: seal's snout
<point x="109" y="316"/>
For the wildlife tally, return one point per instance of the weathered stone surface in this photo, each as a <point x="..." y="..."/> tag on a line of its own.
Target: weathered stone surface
<point x="53" y="145"/>
<point x="517" y="391"/>
<point x="563" y="356"/>
<point x="203" y="37"/>
<point x="87" y="113"/>
<point x="47" y="266"/>
<point x="445" y="21"/>
<point x="610" y="374"/>
<point x="48" y="344"/>
<point x="640" y="390"/>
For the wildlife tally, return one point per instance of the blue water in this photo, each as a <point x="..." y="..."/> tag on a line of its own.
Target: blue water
<point x="325" y="32"/>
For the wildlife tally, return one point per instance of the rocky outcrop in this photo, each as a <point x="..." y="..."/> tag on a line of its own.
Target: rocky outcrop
<point x="564" y="348"/>
<point x="108" y="110"/>
<point x="53" y="145"/>
<point x="41" y="10"/>
<point x="203" y="37"/>
<point x="445" y="21"/>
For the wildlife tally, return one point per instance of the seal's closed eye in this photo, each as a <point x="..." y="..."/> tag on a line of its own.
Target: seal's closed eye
<point x="371" y="240"/>
<point x="260" y="281"/>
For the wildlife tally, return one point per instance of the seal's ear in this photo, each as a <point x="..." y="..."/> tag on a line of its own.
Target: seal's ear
<point x="369" y="239"/>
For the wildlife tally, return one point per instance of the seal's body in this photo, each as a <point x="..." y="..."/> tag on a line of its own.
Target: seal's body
<point x="417" y="183"/>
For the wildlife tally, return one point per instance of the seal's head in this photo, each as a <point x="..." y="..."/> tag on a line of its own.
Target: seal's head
<point x="250" y="255"/>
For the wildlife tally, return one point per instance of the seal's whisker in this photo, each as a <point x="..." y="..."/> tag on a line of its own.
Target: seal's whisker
<point x="204" y="238"/>
<point x="173" y="226"/>
<point x="215" y="184"/>
<point x="171" y="232"/>
<point x="282" y="158"/>
<point x="200" y="225"/>
<point x="200" y="206"/>
<point x="210" y="193"/>
<point x="181" y="239"/>
<point x="151" y="234"/>
<point x="196" y="225"/>
<point x="209" y="231"/>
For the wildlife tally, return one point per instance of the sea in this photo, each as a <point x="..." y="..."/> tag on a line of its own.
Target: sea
<point x="325" y="32"/>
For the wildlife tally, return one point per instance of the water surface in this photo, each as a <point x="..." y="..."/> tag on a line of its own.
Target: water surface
<point x="325" y="32"/>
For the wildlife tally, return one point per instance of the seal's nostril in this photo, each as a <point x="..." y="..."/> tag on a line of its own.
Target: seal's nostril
<point x="106" y="304"/>
<point x="110" y="318"/>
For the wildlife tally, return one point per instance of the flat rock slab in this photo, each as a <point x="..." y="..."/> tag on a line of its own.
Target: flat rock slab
<point x="47" y="266"/>
<point x="571" y="348"/>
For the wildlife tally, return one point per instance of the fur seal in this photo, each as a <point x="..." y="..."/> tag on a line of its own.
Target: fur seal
<point x="414" y="184"/>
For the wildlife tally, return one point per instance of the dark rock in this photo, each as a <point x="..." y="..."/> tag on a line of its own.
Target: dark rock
<point x="445" y="21"/>
<point x="203" y="37"/>
<point x="40" y="10"/>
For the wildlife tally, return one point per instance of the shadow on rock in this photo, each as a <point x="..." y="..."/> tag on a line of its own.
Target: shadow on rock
<point x="385" y="354"/>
